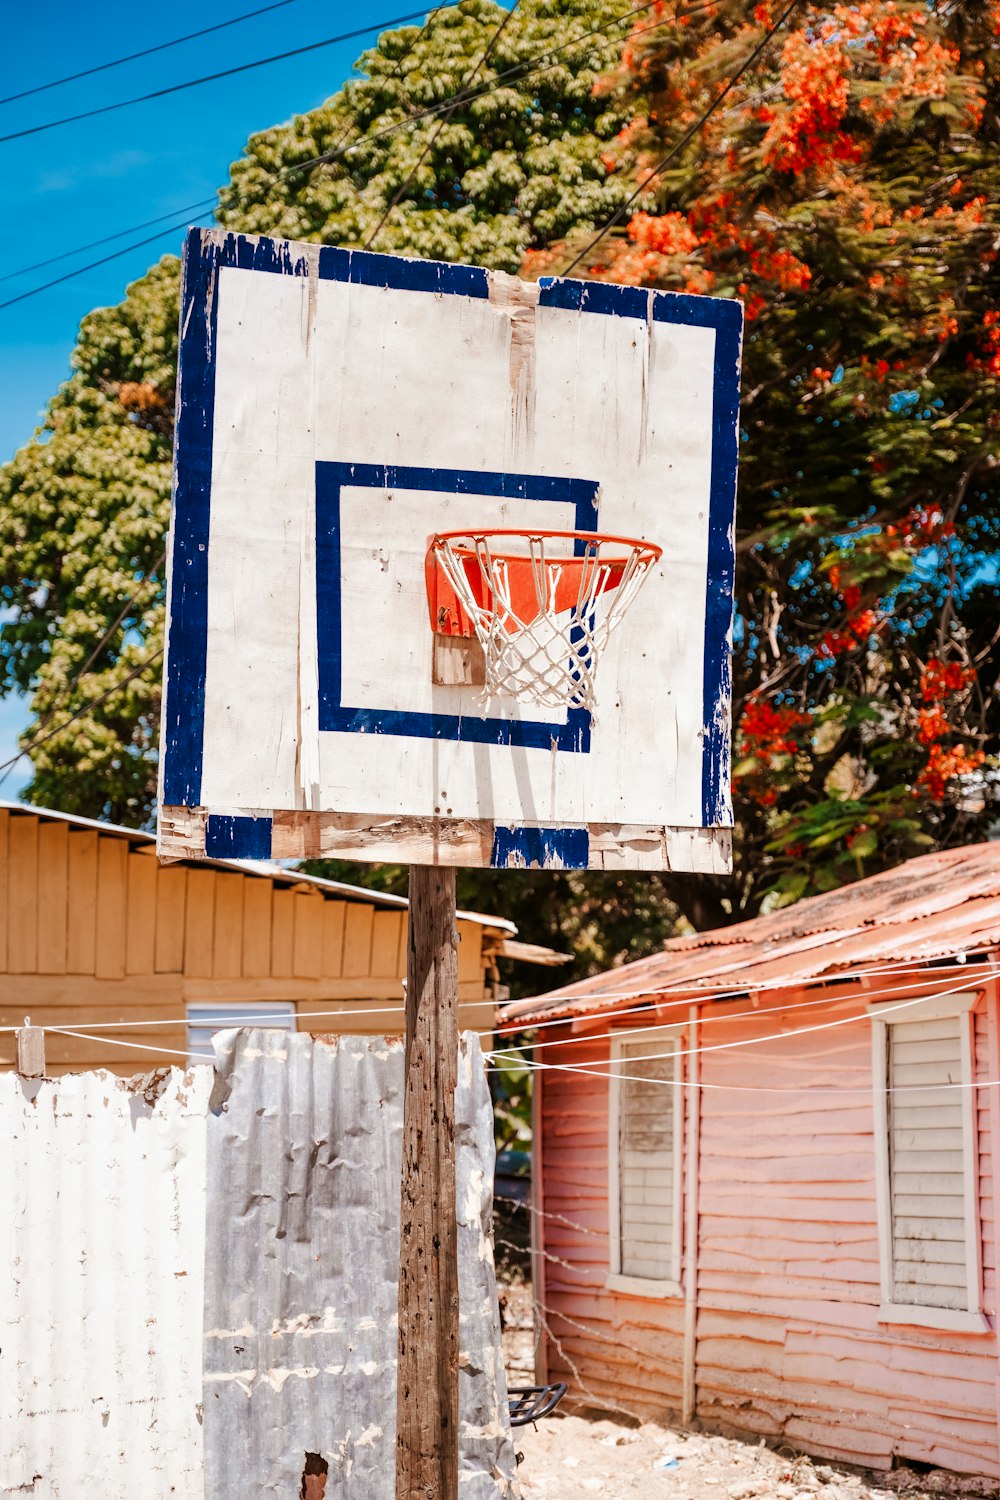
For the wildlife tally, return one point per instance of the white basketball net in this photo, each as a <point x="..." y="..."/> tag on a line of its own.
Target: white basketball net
<point x="545" y="655"/>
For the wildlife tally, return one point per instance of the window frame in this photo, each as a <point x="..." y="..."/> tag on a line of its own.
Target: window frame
<point x="241" y="1008"/>
<point x="617" y="1280"/>
<point x="971" y="1318"/>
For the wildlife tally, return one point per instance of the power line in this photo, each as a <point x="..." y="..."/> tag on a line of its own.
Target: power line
<point x="699" y="124"/>
<point x="38" y="265"/>
<point x="756" y="1041"/>
<point x="397" y="195"/>
<point x="82" y="672"/>
<point x="653" y="997"/>
<point x="41" y="88"/>
<point x="342" y="137"/>
<point x="230" y="1018"/>
<point x="500" y="80"/>
<point x="515" y="1054"/>
<point x="174" y="88"/>
<point x="115" y="687"/>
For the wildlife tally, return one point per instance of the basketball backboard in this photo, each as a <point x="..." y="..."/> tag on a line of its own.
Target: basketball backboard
<point x="336" y="411"/>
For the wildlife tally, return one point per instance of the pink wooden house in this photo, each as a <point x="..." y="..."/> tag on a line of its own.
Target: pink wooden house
<point x="766" y="1171"/>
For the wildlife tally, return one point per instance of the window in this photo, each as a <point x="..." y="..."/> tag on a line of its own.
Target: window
<point x="645" y="1164"/>
<point x="926" y="1177"/>
<point x="206" y="1019"/>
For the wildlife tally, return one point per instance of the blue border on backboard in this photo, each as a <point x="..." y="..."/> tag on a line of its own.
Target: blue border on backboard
<point x="205" y="253"/>
<point x="334" y="714"/>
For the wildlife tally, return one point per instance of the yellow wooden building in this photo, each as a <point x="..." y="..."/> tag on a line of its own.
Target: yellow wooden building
<point x="97" y="936"/>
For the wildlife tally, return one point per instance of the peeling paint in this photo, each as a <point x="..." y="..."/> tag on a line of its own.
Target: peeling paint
<point x="303" y="1250"/>
<point x="102" y="1220"/>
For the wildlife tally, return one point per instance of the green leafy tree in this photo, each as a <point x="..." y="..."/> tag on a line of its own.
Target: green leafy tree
<point x="847" y="190"/>
<point x="84" y="506"/>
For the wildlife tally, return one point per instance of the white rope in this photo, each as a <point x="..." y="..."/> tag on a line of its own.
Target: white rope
<point x="227" y="1020"/>
<point x="865" y="996"/>
<point x="652" y="996"/>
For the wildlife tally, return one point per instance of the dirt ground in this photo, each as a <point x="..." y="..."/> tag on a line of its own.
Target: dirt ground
<point x="569" y="1457"/>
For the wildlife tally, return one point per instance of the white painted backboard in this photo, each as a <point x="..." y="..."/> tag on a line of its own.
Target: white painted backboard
<point x="337" y="408"/>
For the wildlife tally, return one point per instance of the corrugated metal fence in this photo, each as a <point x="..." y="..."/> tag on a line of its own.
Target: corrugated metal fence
<point x="200" y="1277"/>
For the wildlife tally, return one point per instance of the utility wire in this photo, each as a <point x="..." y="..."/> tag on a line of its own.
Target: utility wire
<point x="55" y="83"/>
<point x="759" y="1039"/>
<point x="115" y="687"/>
<point x="38" y="265"/>
<point x="202" y="203"/>
<point x="175" y="88"/>
<point x="342" y="137"/>
<point x="229" y="1018"/>
<point x="337" y="153"/>
<point x="675" y="150"/>
<point x="653" y="998"/>
<point x="442" y="122"/>
<point x="130" y="603"/>
<point x="515" y="1054"/>
<point x="500" y="81"/>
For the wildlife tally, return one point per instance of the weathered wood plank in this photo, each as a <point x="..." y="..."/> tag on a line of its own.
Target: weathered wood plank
<point x="427" y="1384"/>
<point x="53" y="896"/>
<point x="199" y="926"/>
<point x="171" y="901"/>
<point x="257" y="918"/>
<point x="359" y="921"/>
<point x="30" y="1052"/>
<point x="450" y="841"/>
<point x="22" y="895"/>
<point x="140" y="938"/>
<point x="227" y="937"/>
<point x="307" y="953"/>
<point x="282" y="933"/>
<point x="112" y="897"/>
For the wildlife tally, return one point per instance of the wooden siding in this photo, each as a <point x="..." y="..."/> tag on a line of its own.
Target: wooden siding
<point x="94" y="929"/>
<point x="615" y="1350"/>
<point x="789" y="1342"/>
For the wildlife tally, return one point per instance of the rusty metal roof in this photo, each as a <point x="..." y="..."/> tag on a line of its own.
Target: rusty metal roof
<point x="942" y="905"/>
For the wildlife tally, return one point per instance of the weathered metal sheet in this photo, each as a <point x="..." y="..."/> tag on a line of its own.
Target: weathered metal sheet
<point x="102" y="1222"/>
<point x="302" y="1255"/>
<point x="112" y="1336"/>
<point x="939" y="905"/>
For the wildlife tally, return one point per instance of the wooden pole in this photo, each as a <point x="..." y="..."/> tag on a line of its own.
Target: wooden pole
<point x="427" y="1387"/>
<point x="30" y="1050"/>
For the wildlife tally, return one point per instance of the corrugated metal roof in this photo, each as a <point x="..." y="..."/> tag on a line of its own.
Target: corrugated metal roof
<point x="938" y="906"/>
<point x="259" y="867"/>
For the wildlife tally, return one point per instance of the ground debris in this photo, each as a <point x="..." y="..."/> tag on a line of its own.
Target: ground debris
<point x="565" y="1457"/>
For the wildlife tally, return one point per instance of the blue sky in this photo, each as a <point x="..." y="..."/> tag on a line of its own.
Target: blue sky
<point x="79" y="182"/>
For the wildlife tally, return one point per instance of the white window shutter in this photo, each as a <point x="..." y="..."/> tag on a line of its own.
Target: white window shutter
<point x="646" y="1159"/>
<point x="926" y="1179"/>
<point x="927" y="1163"/>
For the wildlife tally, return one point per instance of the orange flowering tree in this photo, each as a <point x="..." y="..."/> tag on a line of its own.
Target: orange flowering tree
<point x="848" y="191"/>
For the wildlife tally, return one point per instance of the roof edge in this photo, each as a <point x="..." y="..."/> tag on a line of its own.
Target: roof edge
<point x="264" y="868"/>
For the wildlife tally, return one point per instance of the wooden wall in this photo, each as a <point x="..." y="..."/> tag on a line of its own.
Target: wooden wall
<point x="93" y="928"/>
<point x="788" y="1339"/>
